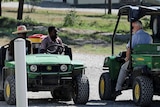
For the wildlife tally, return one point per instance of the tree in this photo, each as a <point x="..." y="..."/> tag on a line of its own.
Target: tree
<point x="109" y="7"/>
<point x="0" y="7"/>
<point x="20" y="10"/>
<point x="64" y="1"/>
<point x="105" y="6"/>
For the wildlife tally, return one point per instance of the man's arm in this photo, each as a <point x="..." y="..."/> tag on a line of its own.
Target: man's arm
<point x="58" y="40"/>
<point x="43" y="46"/>
<point x="127" y="54"/>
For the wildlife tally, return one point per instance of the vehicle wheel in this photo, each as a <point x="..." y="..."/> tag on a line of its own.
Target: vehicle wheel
<point x="105" y="87"/>
<point x="55" y="94"/>
<point x="9" y="90"/>
<point x="1" y="95"/>
<point x="81" y="90"/>
<point x="61" y="94"/>
<point x="142" y="90"/>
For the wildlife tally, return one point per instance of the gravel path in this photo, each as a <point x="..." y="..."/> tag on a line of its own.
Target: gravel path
<point x="94" y="65"/>
<point x="94" y="70"/>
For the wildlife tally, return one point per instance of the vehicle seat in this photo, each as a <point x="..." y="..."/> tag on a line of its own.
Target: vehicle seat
<point x="8" y="57"/>
<point x="68" y="51"/>
<point x="122" y="54"/>
<point x="35" y="47"/>
<point x="3" y="54"/>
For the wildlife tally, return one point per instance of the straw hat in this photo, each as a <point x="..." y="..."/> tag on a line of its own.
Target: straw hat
<point x="21" y="29"/>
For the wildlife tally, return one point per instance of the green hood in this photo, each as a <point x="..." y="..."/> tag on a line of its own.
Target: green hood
<point x="47" y="59"/>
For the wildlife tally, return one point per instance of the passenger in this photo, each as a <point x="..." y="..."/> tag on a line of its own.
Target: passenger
<point x="50" y="40"/>
<point x="22" y="33"/>
<point x="139" y="37"/>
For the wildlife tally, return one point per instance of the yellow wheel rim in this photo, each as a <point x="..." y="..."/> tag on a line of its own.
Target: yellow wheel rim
<point x="8" y="90"/>
<point x="137" y="91"/>
<point x="102" y="86"/>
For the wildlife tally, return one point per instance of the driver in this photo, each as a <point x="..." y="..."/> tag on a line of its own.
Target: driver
<point x="139" y="37"/>
<point x="50" y="40"/>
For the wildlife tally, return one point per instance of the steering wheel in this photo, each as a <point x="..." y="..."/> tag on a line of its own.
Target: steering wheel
<point x="55" y="49"/>
<point x="121" y="57"/>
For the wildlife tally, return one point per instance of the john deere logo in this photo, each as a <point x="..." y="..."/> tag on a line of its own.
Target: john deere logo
<point x="140" y="59"/>
<point x="49" y="68"/>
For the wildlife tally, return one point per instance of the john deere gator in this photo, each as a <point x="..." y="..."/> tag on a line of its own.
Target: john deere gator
<point x="57" y="73"/>
<point x="143" y="75"/>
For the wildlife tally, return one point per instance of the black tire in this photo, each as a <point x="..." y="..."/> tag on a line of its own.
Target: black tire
<point x="55" y="94"/>
<point x="105" y="87"/>
<point x="61" y="94"/>
<point x="9" y="90"/>
<point x="1" y="95"/>
<point x="142" y="91"/>
<point x="81" y="90"/>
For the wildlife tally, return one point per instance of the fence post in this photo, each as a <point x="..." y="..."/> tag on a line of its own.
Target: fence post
<point x="20" y="73"/>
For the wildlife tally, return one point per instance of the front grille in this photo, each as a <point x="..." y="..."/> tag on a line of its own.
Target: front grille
<point x="48" y="68"/>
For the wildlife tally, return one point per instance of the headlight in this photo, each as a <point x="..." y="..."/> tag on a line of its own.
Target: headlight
<point x="33" y="68"/>
<point x="63" y="68"/>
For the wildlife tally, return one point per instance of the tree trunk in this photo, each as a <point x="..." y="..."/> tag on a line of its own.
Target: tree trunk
<point x="20" y="10"/>
<point x="105" y="6"/>
<point x="75" y="2"/>
<point x="109" y="7"/>
<point x="64" y="1"/>
<point x="0" y="7"/>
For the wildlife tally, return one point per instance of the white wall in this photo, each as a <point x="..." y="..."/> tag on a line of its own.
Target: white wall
<point x="54" y="0"/>
<point x="86" y="1"/>
<point x="92" y="1"/>
<point x="70" y="1"/>
<point x="95" y="1"/>
<point x="58" y="0"/>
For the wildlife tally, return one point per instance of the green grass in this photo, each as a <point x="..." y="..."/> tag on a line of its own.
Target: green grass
<point x="101" y="50"/>
<point x="84" y="21"/>
<point x="92" y="21"/>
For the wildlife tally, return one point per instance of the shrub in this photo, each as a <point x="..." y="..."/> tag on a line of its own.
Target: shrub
<point x="71" y="18"/>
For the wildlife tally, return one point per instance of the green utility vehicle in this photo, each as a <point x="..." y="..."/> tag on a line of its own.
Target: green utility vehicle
<point x="143" y="75"/>
<point x="57" y="73"/>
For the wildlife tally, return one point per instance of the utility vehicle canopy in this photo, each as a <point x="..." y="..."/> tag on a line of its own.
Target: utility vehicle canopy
<point x="137" y="12"/>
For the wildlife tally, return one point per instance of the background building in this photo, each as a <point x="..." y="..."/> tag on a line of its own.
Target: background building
<point x="102" y="3"/>
<point x="73" y="2"/>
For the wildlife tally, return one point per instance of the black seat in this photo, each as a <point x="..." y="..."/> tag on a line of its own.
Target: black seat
<point x="121" y="56"/>
<point x="3" y="54"/>
<point x="68" y="51"/>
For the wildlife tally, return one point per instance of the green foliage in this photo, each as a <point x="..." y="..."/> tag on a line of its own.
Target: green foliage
<point x="109" y="16"/>
<point x="146" y="23"/>
<point x="8" y="25"/>
<point x="79" y="21"/>
<point x="71" y="18"/>
<point x="7" y="22"/>
<point x="29" y="20"/>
